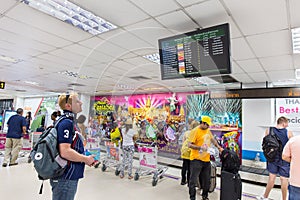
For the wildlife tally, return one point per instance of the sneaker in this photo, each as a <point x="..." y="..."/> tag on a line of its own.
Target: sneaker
<point x="261" y="198"/>
<point x="205" y="198"/>
<point x="4" y="164"/>
<point x="12" y="164"/>
<point x="183" y="183"/>
<point x="130" y="177"/>
<point x="121" y="176"/>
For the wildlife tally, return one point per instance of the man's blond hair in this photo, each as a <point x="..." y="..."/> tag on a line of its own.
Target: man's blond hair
<point x="66" y="98"/>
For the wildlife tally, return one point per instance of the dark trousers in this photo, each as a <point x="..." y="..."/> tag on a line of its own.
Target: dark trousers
<point x="198" y="167"/>
<point x="185" y="171"/>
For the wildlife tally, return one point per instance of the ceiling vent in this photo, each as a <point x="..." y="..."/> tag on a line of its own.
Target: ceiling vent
<point x="224" y="79"/>
<point x="139" y="78"/>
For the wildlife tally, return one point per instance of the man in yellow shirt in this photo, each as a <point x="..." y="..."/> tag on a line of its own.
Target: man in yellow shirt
<point x="199" y="141"/>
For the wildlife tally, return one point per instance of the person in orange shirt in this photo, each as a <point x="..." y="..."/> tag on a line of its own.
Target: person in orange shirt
<point x="199" y="141"/>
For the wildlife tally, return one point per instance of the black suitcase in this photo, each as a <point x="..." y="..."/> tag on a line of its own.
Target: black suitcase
<point x="231" y="186"/>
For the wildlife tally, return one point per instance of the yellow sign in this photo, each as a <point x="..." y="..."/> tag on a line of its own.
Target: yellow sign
<point x="2" y="85"/>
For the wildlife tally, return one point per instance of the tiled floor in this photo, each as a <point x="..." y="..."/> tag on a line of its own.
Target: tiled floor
<point x="20" y="182"/>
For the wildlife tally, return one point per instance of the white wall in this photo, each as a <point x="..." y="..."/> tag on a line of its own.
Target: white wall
<point x="258" y="114"/>
<point x="85" y="107"/>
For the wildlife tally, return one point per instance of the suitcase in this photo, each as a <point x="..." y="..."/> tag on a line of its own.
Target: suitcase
<point x="213" y="177"/>
<point x="231" y="186"/>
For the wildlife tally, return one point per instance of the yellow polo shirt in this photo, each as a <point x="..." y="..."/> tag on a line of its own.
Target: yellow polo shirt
<point x="199" y="137"/>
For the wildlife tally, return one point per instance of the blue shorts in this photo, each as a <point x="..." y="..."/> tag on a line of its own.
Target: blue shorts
<point x="279" y="167"/>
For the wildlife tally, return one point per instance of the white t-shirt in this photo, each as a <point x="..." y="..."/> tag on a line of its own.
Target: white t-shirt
<point x="128" y="137"/>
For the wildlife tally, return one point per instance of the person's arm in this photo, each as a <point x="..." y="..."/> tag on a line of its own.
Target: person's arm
<point x="24" y="129"/>
<point x="193" y="146"/>
<point x="286" y="158"/>
<point x="266" y="131"/>
<point x="290" y="134"/>
<point x="286" y="152"/>
<point x="214" y="141"/>
<point x="70" y="154"/>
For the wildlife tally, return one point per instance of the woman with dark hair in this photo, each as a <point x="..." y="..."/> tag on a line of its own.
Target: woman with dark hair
<point x="28" y="120"/>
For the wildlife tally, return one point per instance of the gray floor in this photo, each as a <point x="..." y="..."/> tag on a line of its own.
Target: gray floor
<point x="20" y="182"/>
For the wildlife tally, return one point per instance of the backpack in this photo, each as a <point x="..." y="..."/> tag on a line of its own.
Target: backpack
<point x="45" y="155"/>
<point x="230" y="161"/>
<point x="271" y="146"/>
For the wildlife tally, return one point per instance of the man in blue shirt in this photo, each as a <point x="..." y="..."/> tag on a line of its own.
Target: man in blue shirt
<point x="71" y="149"/>
<point x="16" y="128"/>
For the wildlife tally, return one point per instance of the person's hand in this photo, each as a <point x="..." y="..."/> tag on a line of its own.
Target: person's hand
<point x="220" y="149"/>
<point x="204" y="147"/>
<point x="90" y="160"/>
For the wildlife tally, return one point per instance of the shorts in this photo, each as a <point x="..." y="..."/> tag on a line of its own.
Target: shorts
<point x="279" y="167"/>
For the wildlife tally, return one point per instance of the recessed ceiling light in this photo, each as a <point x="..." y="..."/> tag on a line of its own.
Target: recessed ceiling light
<point x="9" y="59"/>
<point x="153" y="57"/>
<point x="74" y="74"/>
<point x="72" y="14"/>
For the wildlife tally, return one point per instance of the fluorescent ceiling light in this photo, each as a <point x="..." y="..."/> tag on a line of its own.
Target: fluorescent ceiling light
<point x="153" y="57"/>
<point x="285" y="82"/>
<point x="205" y="81"/>
<point x="9" y="59"/>
<point x="72" y="14"/>
<point x="31" y="82"/>
<point x="296" y="40"/>
<point x="297" y="73"/>
<point x="123" y="86"/>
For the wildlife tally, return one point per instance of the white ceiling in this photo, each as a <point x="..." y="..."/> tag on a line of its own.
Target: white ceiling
<point x="261" y="48"/>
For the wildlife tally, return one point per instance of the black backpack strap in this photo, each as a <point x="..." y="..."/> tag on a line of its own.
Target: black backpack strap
<point x="271" y="131"/>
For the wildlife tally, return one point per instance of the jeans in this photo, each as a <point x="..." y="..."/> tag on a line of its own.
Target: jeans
<point x="63" y="189"/>
<point x="294" y="192"/>
<point x="198" y="167"/>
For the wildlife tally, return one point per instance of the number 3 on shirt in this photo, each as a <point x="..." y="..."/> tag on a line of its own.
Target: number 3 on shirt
<point x="66" y="135"/>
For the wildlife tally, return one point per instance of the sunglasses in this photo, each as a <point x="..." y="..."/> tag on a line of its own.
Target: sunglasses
<point x="67" y="97"/>
<point x="205" y="123"/>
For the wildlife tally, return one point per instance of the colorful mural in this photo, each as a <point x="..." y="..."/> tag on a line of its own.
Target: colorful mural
<point x="226" y="115"/>
<point x="156" y="117"/>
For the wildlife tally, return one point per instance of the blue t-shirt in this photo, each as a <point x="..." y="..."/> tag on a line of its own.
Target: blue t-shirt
<point x="15" y="126"/>
<point x="65" y="134"/>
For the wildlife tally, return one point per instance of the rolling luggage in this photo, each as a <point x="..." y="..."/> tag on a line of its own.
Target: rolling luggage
<point x="213" y="177"/>
<point x="231" y="186"/>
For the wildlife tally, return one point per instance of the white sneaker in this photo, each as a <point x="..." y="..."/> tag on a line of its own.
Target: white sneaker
<point x="261" y="198"/>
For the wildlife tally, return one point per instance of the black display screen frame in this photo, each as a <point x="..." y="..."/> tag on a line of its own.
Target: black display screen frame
<point x="206" y="52"/>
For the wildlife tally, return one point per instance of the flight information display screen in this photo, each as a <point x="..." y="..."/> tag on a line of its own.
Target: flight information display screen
<point x="194" y="54"/>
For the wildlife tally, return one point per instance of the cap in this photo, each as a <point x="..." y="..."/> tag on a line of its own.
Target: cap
<point x="206" y="119"/>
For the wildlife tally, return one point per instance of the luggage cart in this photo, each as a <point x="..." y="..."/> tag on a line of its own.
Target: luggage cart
<point x="26" y="145"/>
<point x="113" y="156"/>
<point x="148" y="163"/>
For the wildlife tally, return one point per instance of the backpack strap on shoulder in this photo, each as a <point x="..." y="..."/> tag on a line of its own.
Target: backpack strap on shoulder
<point x="271" y="131"/>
